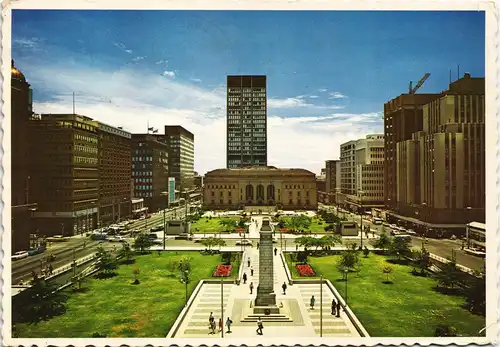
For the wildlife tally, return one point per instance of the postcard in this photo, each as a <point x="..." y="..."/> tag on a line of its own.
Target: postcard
<point x="249" y="173"/>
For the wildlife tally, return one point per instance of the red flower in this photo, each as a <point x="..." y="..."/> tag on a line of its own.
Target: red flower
<point x="305" y="270"/>
<point x="223" y="271"/>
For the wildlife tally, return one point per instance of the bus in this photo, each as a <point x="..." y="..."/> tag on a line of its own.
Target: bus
<point x="377" y="221"/>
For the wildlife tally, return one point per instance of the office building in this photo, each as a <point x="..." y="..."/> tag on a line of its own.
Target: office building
<point x="402" y="118"/>
<point x="22" y="206"/>
<point x="291" y="189"/>
<point x="362" y="173"/>
<point x="64" y="171"/>
<point x="441" y="169"/>
<point x="115" y="171"/>
<point x="150" y="170"/>
<point x="246" y="121"/>
<point x="180" y="156"/>
<point x="332" y="179"/>
<point x="321" y="188"/>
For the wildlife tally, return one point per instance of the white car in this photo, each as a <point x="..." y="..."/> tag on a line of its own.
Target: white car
<point x="244" y="242"/>
<point x="117" y="239"/>
<point x="20" y="255"/>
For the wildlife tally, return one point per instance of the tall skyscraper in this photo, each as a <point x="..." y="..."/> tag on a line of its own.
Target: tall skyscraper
<point x="246" y="121"/>
<point x="180" y="155"/>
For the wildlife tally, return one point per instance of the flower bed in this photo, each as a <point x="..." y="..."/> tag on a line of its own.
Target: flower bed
<point x="223" y="271"/>
<point x="305" y="270"/>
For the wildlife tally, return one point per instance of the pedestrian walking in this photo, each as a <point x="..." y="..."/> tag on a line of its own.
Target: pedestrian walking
<point x="228" y="324"/>
<point x="220" y="324"/>
<point x="296" y="247"/>
<point x="51" y="269"/>
<point x="211" y="317"/>
<point x="248" y="262"/>
<point x="334" y="307"/>
<point x="251" y="287"/>
<point x="260" y="326"/>
<point x="251" y="271"/>
<point x="244" y="278"/>
<point x="338" y="308"/>
<point x="313" y="301"/>
<point x="284" y="288"/>
<point x="258" y="244"/>
<point x="275" y="251"/>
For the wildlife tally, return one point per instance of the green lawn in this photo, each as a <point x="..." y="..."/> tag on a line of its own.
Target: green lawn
<point x="407" y="308"/>
<point x="315" y="226"/>
<point x="117" y="308"/>
<point x="210" y="226"/>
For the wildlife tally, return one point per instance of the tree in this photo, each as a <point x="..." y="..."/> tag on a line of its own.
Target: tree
<point x="126" y="252"/>
<point x="366" y="251"/>
<point x="329" y="241"/>
<point x="136" y="271"/>
<point x="400" y="246"/>
<point x="421" y="258"/>
<point x="143" y="242"/>
<point x="449" y="276"/>
<point x="107" y="263"/>
<point x="475" y="293"/>
<point x="41" y="301"/>
<point x="387" y="270"/>
<point x="210" y="242"/>
<point x="383" y="242"/>
<point x="80" y="279"/>
<point x="228" y="224"/>
<point x="349" y="260"/>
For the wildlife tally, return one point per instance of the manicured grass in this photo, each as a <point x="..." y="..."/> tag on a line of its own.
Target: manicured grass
<point x="407" y="308"/>
<point x="210" y="226"/>
<point x="117" y="308"/>
<point x="315" y="226"/>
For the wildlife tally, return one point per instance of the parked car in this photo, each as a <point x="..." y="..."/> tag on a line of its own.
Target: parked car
<point x="157" y="228"/>
<point x="38" y="250"/>
<point x="20" y="255"/>
<point x="117" y="239"/>
<point x="244" y="242"/>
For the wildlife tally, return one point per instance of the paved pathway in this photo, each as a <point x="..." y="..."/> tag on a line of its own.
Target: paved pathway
<point x="237" y="304"/>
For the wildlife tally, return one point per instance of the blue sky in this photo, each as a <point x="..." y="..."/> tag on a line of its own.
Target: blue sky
<point x="329" y="72"/>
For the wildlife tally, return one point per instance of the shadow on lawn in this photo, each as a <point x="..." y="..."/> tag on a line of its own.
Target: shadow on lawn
<point x="399" y="261"/>
<point x="387" y="282"/>
<point x="456" y="291"/>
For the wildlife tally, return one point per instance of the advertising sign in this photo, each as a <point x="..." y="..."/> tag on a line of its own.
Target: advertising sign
<point x="171" y="189"/>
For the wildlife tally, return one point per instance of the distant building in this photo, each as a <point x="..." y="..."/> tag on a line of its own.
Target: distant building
<point x="115" y="171"/>
<point x="332" y="179"/>
<point x="246" y="121"/>
<point x="22" y="206"/>
<point x="150" y="170"/>
<point x="440" y="170"/>
<point x="138" y="208"/>
<point x="198" y="181"/>
<point x="260" y="186"/>
<point x="321" y="189"/>
<point x="180" y="155"/>
<point x="362" y="173"/>
<point x="64" y="173"/>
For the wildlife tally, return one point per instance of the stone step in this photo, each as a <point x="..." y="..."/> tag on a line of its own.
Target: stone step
<point x="254" y="315"/>
<point x="267" y="319"/>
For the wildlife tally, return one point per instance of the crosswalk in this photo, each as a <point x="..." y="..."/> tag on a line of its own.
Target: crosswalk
<point x="332" y="325"/>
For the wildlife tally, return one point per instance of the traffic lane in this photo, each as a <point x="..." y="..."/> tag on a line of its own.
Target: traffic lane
<point x="66" y="246"/>
<point x="443" y="248"/>
<point x="67" y="259"/>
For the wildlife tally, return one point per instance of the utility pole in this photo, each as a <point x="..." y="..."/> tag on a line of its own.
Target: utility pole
<point x="222" y="303"/>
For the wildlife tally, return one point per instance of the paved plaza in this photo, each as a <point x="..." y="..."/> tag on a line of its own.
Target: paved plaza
<point x="237" y="304"/>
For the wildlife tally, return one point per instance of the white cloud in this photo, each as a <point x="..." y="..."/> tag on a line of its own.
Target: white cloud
<point x="161" y="62"/>
<point x="313" y="96"/>
<point x="138" y="58"/>
<point x="168" y="74"/>
<point x="336" y="95"/>
<point x="197" y="80"/>
<point x="119" y="45"/>
<point x="322" y="90"/>
<point x="275" y="103"/>
<point x="129" y="51"/>
<point x="131" y="100"/>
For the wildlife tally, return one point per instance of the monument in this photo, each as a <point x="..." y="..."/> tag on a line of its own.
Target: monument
<point x="265" y="303"/>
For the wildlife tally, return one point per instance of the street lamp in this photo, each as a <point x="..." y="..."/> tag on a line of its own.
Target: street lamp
<point x="346" y="271"/>
<point x="469" y="210"/>
<point x="222" y="304"/>
<point x="361" y="193"/>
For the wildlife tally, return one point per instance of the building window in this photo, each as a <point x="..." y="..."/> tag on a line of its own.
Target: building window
<point x="249" y="192"/>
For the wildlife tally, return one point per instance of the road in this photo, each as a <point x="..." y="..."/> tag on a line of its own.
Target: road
<point x="440" y="247"/>
<point x="63" y="251"/>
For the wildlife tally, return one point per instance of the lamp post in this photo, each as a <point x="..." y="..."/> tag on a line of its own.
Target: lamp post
<point x="469" y="210"/>
<point x="361" y="193"/>
<point x="222" y="304"/>
<point x="346" y="271"/>
<point x="321" y="307"/>
<point x="186" y="280"/>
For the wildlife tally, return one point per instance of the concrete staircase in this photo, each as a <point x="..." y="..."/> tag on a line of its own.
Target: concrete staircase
<point x="273" y="317"/>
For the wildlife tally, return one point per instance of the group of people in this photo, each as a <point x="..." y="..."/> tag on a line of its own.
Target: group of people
<point x="212" y="326"/>
<point x="336" y="306"/>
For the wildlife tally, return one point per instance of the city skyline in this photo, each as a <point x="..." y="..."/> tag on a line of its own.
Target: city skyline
<point x="318" y="97"/>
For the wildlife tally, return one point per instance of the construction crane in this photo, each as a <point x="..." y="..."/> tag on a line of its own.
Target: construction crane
<point x="419" y="84"/>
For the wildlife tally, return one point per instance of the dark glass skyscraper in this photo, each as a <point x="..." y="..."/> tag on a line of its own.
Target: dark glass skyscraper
<point x="246" y="121"/>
